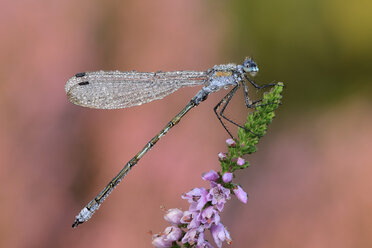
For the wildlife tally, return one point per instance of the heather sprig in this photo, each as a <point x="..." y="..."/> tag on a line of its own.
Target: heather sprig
<point x="188" y="227"/>
<point x="255" y="128"/>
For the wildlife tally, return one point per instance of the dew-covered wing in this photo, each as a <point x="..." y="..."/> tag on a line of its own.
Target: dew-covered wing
<point x="115" y="89"/>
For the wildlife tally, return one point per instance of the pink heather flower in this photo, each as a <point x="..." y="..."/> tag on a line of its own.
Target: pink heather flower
<point x="173" y="216"/>
<point x="204" y="244"/>
<point x="194" y="236"/>
<point x="210" y="176"/>
<point x="218" y="195"/>
<point x="200" y="239"/>
<point x="210" y="216"/>
<point x="187" y="217"/>
<point x="159" y="241"/>
<point x="221" y="156"/>
<point x="227" y="177"/>
<point x="240" y="161"/>
<point x="195" y="222"/>
<point x="191" y="218"/>
<point x="172" y="233"/>
<point x="197" y="198"/>
<point x="230" y="142"/>
<point x="220" y="234"/>
<point x="166" y="239"/>
<point x="240" y="194"/>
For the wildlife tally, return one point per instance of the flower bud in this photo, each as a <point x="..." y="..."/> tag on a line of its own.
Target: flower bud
<point x="210" y="176"/>
<point x="240" y="194"/>
<point x="172" y="233"/>
<point x="173" y="216"/>
<point x="230" y="142"/>
<point x="240" y="161"/>
<point x="227" y="177"/>
<point x="222" y="156"/>
<point x="159" y="241"/>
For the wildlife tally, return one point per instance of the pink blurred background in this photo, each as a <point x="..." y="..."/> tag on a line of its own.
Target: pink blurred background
<point x="309" y="184"/>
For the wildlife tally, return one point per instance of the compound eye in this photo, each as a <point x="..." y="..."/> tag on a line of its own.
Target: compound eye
<point x="252" y="64"/>
<point x="248" y="62"/>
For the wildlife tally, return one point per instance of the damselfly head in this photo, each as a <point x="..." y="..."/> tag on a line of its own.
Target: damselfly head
<point x="250" y="67"/>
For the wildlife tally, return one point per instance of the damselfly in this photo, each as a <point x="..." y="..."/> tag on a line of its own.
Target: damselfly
<point x="115" y="89"/>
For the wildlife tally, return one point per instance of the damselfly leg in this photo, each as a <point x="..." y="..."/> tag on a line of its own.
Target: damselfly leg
<point x="225" y="101"/>
<point x="249" y="104"/>
<point x="254" y="104"/>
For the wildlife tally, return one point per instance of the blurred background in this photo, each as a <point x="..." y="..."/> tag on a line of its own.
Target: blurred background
<point x="309" y="183"/>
